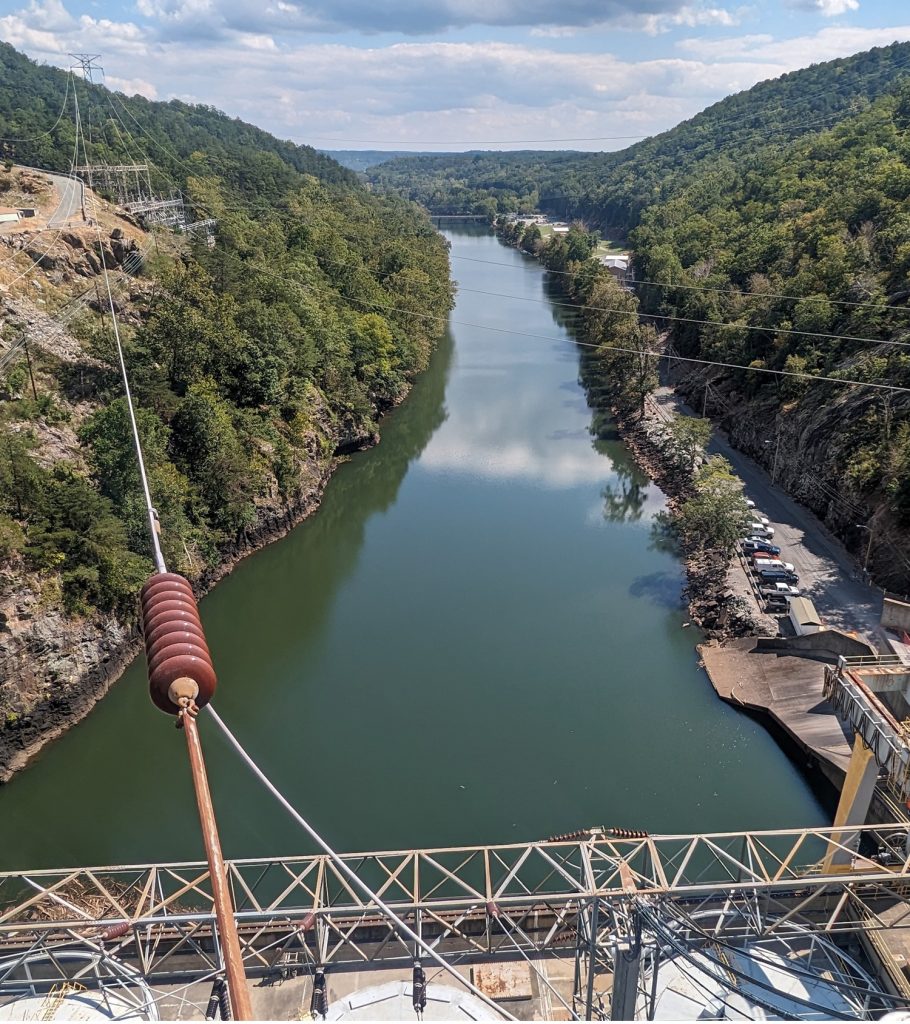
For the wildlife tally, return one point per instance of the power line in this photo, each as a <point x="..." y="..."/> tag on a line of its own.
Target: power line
<point x="693" y="320"/>
<point x="137" y="442"/>
<point x="592" y="138"/>
<point x="688" y="124"/>
<point x="640" y="352"/>
<point x="669" y="285"/>
<point x="342" y="866"/>
<point x="703" y="362"/>
<point x="668" y="317"/>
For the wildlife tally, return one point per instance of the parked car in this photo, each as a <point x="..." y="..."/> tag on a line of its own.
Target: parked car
<point x="750" y="503"/>
<point x="777" y="605"/>
<point x="759" y="530"/>
<point x="778" y="576"/>
<point x="763" y="519"/>
<point x="780" y="590"/>
<point x="762" y="561"/>
<point x="751" y="545"/>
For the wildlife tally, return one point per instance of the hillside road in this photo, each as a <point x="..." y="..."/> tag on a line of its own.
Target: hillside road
<point x="828" y="574"/>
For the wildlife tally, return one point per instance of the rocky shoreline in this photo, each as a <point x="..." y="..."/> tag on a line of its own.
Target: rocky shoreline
<point x="63" y="667"/>
<point x="718" y="613"/>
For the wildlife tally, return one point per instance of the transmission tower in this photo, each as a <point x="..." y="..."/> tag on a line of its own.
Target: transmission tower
<point x="88" y="64"/>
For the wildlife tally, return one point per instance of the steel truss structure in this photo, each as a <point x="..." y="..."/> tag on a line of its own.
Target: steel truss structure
<point x="853" y="688"/>
<point x="471" y="903"/>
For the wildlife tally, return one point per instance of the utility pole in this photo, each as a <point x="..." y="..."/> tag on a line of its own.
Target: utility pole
<point x="31" y="376"/>
<point x="776" y="453"/>
<point x="88" y="64"/>
<point x="869" y="530"/>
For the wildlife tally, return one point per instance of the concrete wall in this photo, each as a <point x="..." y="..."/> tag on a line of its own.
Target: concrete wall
<point x="896" y="615"/>
<point x="826" y="645"/>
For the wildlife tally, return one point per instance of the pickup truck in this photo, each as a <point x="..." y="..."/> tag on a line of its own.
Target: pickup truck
<point x="778" y="590"/>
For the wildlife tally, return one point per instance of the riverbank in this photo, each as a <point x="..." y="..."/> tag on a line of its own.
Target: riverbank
<point x="720" y="614"/>
<point x="63" y="666"/>
<point x="713" y="605"/>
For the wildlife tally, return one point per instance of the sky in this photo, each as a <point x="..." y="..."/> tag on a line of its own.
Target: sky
<point x="451" y="74"/>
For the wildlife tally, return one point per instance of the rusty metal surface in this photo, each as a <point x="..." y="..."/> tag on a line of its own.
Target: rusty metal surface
<point x="221" y="893"/>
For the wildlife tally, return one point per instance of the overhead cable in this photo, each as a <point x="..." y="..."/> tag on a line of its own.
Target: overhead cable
<point x="50" y="131"/>
<point x="671" y="285"/>
<point x="345" y="869"/>
<point x="689" y="319"/>
<point x="151" y="515"/>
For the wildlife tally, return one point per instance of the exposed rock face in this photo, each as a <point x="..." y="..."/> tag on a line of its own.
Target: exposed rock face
<point x="54" y="669"/>
<point x="811" y="441"/>
<point x="75" y="254"/>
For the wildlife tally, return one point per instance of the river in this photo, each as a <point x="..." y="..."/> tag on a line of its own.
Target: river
<point x="477" y="638"/>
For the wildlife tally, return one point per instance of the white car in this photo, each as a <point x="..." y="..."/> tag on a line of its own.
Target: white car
<point x="764" y="520"/>
<point x="780" y="590"/>
<point x="759" y="530"/>
<point x="772" y="563"/>
<point x="750" y="503"/>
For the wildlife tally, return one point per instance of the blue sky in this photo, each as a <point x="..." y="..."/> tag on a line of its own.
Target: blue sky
<point x="459" y="74"/>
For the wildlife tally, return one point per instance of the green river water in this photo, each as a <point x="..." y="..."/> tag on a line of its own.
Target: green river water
<point x="475" y="639"/>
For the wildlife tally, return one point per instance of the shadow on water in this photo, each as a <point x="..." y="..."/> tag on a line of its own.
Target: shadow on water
<point x="124" y="765"/>
<point x="326" y="548"/>
<point x="660" y="588"/>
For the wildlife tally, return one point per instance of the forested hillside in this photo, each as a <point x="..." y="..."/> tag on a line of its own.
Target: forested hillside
<point x="254" y="362"/>
<point x="776" y="227"/>
<point x="247" y="159"/>
<point x="609" y="190"/>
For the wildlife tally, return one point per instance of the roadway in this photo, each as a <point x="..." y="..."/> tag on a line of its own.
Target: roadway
<point x="828" y="575"/>
<point x="70" y="205"/>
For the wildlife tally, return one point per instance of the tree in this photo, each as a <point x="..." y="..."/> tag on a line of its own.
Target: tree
<point x="687" y="440"/>
<point x="716" y="515"/>
<point x="212" y="456"/>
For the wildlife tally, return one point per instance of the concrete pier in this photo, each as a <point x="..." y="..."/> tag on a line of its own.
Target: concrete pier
<point x="789" y="690"/>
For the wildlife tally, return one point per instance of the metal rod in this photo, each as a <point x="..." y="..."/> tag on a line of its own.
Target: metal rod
<point x="224" y="909"/>
<point x="31" y="377"/>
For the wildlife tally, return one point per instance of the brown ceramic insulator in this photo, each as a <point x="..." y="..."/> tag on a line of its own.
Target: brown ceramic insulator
<point x="184" y="627"/>
<point x="168" y="648"/>
<point x="169" y="581"/>
<point x="174" y="612"/>
<point x="175" y="644"/>
<point x="160" y="596"/>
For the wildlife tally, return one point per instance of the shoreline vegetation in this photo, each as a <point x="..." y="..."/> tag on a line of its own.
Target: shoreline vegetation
<point x="258" y="356"/>
<point x="706" y="509"/>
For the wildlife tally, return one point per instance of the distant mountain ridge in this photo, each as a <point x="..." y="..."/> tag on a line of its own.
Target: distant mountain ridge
<point x="610" y="190"/>
<point x="360" y="159"/>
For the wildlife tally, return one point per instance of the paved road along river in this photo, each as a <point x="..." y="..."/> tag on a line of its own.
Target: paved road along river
<point x="476" y="639"/>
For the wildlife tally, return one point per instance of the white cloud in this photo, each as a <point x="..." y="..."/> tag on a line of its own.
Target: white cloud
<point x="411" y="17"/>
<point x="790" y="54"/>
<point x="132" y="86"/>
<point x="690" y="17"/>
<point x="417" y="94"/>
<point x="827" y="8"/>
